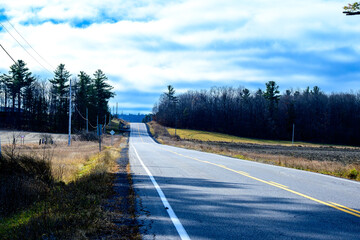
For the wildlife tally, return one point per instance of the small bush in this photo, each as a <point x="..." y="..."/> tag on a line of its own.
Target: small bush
<point x="86" y="136"/>
<point x="353" y="173"/>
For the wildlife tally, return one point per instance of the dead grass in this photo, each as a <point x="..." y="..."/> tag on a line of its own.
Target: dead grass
<point x="74" y="206"/>
<point x="187" y="134"/>
<point x="292" y="157"/>
<point x="66" y="160"/>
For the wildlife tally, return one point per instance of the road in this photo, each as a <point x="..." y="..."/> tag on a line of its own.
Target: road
<point x="186" y="194"/>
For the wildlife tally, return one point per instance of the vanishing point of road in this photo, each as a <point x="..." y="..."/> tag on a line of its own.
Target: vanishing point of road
<point x="186" y="194"/>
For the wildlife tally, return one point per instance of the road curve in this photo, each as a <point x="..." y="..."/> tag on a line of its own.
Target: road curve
<point x="186" y="194"/>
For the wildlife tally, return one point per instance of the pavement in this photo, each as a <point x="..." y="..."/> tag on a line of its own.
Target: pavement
<point x="187" y="194"/>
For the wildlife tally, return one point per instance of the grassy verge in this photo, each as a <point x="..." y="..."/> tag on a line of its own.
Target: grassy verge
<point x="75" y="203"/>
<point x="187" y="134"/>
<point x="332" y="160"/>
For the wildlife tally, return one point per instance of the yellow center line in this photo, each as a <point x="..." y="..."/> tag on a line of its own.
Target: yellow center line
<point x="278" y="184"/>
<point x="350" y="209"/>
<point x="333" y="205"/>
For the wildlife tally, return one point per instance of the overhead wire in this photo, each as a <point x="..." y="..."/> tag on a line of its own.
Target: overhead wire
<point x="86" y="119"/>
<point x="104" y="126"/>
<point x="29" y="44"/>
<point x="8" y="54"/>
<point x="24" y="48"/>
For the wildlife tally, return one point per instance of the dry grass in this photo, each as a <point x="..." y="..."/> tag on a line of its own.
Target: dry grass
<point x="66" y="160"/>
<point x="75" y="209"/>
<point x="187" y="134"/>
<point x="292" y="157"/>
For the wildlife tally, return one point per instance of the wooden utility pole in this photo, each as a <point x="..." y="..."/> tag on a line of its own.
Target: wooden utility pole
<point x="69" y="141"/>
<point x="87" y="121"/>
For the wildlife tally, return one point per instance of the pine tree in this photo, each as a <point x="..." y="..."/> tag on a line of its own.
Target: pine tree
<point x="83" y="89"/>
<point x="272" y="95"/>
<point x="59" y="102"/>
<point x="100" y="95"/>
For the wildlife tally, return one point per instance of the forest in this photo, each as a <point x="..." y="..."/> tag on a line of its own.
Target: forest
<point x="316" y="116"/>
<point x="29" y="103"/>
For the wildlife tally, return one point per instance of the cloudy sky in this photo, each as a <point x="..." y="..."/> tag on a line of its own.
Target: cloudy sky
<point x="143" y="46"/>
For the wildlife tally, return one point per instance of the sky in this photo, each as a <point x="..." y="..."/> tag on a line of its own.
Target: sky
<point x="143" y="46"/>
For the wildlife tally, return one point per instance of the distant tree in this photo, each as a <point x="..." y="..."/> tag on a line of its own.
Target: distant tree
<point x="170" y="94"/>
<point x="272" y="95"/>
<point x="318" y="116"/>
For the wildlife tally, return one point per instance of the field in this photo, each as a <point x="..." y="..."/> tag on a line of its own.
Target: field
<point x="71" y="191"/>
<point x="341" y="161"/>
<point x="187" y="134"/>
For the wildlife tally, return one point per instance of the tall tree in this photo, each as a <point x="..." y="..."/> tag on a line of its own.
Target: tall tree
<point x="101" y="93"/>
<point x="272" y="95"/>
<point x="83" y="90"/>
<point x="18" y="78"/>
<point x="59" y="104"/>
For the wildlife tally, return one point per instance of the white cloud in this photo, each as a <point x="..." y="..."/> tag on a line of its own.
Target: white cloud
<point x="155" y="43"/>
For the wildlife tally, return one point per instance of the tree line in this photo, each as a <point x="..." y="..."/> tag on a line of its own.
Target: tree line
<point x="29" y="103"/>
<point x="318" y="117"/>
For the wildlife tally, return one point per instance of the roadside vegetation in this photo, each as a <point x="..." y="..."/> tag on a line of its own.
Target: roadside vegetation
<point x="340" y="161"/>
<point x="316" y="116"/>
<point x="29" y="103"/>
<point x="61" y="192"/>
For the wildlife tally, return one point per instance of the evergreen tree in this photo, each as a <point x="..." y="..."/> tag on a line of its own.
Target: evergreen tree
<point x="59" y="104"/>
<point x="272" y="95"/>
<point x="83" y="90"/>
<point x="100" y="95"/>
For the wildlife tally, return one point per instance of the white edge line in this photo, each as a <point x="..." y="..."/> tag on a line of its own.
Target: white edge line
<point x="179" y="227"/>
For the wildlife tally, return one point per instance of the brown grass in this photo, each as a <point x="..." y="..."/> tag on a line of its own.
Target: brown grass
<point x="75" y="209"/>
<point x="345" y="167"/>
<point x="66" y="160"/>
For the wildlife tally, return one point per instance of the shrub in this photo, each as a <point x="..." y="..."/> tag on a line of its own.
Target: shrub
<point x="23" y="180"/>
<point x="353" y="173"/>
<point x="86" y="136"/>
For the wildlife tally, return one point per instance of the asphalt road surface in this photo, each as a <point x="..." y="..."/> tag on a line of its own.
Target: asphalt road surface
<point x="186" y="194"/>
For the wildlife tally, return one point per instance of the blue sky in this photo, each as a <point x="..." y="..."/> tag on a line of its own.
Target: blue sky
<point x="143" y="46"/>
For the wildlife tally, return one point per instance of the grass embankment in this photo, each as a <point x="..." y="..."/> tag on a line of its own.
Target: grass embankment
<point x="70" y="188"/>
<point x="337" y="161"/>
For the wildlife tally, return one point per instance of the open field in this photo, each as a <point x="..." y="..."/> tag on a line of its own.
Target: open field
<point x="187" y="134"/>
<point x="29" y="137"/>
<point x="338" y="161"/>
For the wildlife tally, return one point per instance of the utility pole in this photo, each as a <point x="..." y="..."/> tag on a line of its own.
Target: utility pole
<point x="293" y="134"/>
<point x="87" y="121"/>
<point x="105" y="124"/>
<point x="117" y="110"/>
<point x="99" y="129"/>
<point x="69" y="142"/>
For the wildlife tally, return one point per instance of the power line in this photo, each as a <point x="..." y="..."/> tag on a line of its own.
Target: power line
<point x="29" y="44"/>
<point x="24" y="48"/>
<point x="83" y="117"/>
<point x="8" y="54"/>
